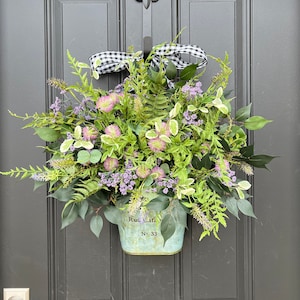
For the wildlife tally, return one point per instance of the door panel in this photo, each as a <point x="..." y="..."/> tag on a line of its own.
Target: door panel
<point x="219" y="269"/>
<point x="140" y="276"/>
<point x="253" y="260"/>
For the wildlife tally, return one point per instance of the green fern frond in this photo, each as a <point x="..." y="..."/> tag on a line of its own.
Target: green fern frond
<point x="85" y="189"/>
<point x="24" y="173"/>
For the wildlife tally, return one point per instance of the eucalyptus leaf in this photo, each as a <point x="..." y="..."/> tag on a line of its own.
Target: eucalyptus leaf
<point x="113" y="214"/>
<point x="63" y="194"/>
<point x="47" y="134"/>
<point x="167" y="227"/>
<point x="95" y="156"/>
<point x="245" y="207"/>
<point x="158" y="204"/>
<point x="231" y="205"/>
<point x="83" y="209"/>
<point x="69" y="215"/>
<point x="148" y="181"/>
<point x="83" y="156"/>
<point x="38" y="184"/>
<point x="96" y="225"/>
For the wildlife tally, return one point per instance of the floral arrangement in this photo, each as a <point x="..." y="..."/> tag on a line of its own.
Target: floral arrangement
<point x="155" y="141"/>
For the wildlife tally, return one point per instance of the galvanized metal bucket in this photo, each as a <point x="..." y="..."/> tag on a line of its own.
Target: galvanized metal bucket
<point x="141" y="234"/>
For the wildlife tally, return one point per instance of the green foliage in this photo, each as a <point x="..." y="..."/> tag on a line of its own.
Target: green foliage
<point x="156" y="138"/>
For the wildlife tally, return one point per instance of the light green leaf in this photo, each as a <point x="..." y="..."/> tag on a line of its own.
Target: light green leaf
<point x="106" y="139"/>
<point x="95" y="156"/>
<point x="95" y="74"/>
<point x="189" y="181"/>
<point x="240" y="193"/>
<point x="83" y="65"/>
<point x="97" y="63"/>
<point x="244" y="185"/>
<point x="174" y="112"/>
<point x="151" y="134"/>
<point x="84" y="144"/>
<point x="65" y="145"/>
<point x="256" y="122"/>
<point x="87" y="145"/>
<point x="191" y="108"/>
<point x="77" y="132"/>
<point x="83" y="156"/>
<point x="173" y="125"/>
<point x="165" y="138"/>
<point x="188" y="192"/>
<point x="203" y="109"/>
<point x="219" y="92"/>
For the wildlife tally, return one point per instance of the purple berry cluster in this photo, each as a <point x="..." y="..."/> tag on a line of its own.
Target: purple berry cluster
<point x="192" y="91"/>
<point x="192" y="118"/>
<point x="230" y="174"/>
<point x="167" y="184"/>
<point x="87" y="106"/>
<point x="56" y="106"/>
<point x="125" y="181"/>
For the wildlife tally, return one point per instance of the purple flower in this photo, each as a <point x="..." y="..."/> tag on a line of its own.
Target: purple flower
<point x="113" y="131"/>
<point x="107" y="103"/>
<point x="165" y="190"/>
<point x="142" y="171"/>
<point x="158" y="172"/>
<point x="191" y="119"/>
<point x="89" y="133"/>
<point x="157" y="145"/>
<point x="192" y="91"/>
<point x="110" y="163"/>
<point x="56" y="106"/>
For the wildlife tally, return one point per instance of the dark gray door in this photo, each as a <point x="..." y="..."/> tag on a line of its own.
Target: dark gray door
<point x="255" y="260"/>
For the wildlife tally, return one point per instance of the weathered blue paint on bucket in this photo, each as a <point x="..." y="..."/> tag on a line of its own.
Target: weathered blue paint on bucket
<point x="142" y="235"/>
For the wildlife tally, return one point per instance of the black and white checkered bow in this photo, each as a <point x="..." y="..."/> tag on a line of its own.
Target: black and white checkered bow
<point x="113" y="61"/>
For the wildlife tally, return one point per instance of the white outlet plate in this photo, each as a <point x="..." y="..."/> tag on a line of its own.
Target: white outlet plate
<point x="16" y="294"/>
